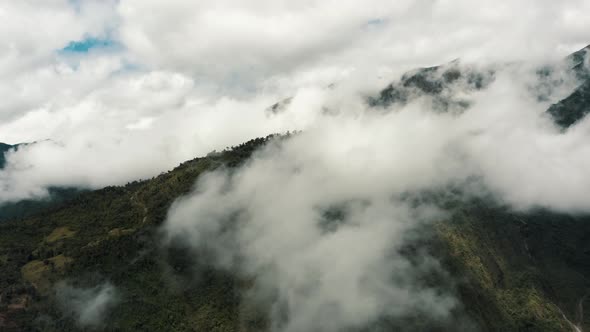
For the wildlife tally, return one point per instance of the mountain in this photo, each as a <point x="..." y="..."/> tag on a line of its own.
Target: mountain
<point x="441" y="82"/>
<point x="510" y="271"/>
<point x="518" y="271"/>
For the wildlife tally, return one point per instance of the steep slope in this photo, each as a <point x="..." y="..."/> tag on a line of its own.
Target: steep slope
<point x="513" y="272"/>
<point x="574" y="107"/>
<point x="111" y="234"/>
<point x="529" y="268"/>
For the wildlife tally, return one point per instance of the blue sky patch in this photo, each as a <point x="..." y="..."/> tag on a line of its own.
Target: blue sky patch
<point x="90" y="43"/>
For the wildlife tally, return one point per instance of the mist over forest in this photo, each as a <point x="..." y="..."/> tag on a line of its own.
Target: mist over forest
<point x="311" y="166"/>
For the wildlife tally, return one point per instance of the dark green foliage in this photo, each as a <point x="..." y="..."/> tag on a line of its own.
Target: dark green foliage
<point x="28" y="207"/>
<point x="522" y="271"/>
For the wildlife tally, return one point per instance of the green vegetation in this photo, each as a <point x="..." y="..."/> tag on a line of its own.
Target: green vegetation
<point x="112" y="234"/>
<point x="29" y="207"/>
<point x="521" y="272"/>
<point x="59" y="233"/>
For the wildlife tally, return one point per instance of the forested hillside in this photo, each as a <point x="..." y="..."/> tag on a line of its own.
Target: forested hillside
<point x="512" y="271"/>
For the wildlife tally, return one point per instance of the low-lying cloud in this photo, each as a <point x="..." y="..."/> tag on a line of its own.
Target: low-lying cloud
<point x="498" y="138"/>
<point x="319" y="219"/>
<point x="271" y="221"/>
<point x="88" y="307"/>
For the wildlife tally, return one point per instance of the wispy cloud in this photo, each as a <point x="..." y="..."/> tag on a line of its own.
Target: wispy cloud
<point x="89" y="307"/>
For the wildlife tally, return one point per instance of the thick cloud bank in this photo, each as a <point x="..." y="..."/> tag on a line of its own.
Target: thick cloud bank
<point x="182" y="78"/>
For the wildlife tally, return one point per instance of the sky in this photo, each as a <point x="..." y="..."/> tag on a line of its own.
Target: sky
<point x="113" y="91"/>
<point x="118" y="90"/>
